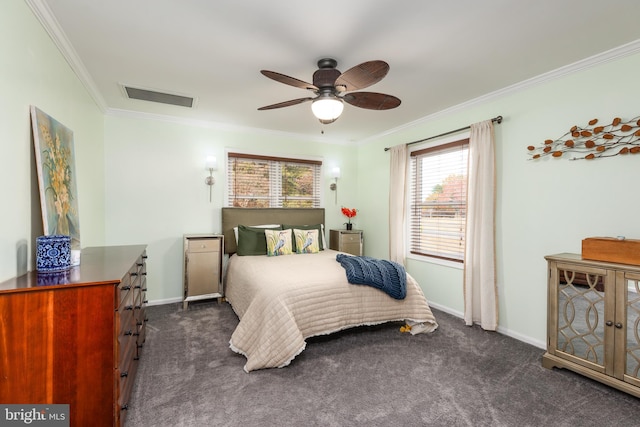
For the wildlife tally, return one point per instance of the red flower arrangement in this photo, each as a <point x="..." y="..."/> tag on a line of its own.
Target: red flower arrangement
<point x="349" y="213"/>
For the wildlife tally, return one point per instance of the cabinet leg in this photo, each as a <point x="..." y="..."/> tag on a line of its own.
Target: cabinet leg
<point x="185" y="305"/>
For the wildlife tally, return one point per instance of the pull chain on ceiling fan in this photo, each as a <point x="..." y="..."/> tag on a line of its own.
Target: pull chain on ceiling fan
<point x="333" y="88"/>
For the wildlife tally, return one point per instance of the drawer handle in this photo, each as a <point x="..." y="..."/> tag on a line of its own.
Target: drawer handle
<point x="125" y="288"/>
<point x="608" y="323"/>
<point x="139" y="264"/>
<point x="145" y="301"/>
<point x="140" y="345"/>
<point x="134" y="273"/>
<point x="144" y="257"/>
<point x="129" y="332"/>
<point x="144" y="290"/>
<point x="124" y="374"/>
<point x="124" y="407"/>
<point x="619" y="325"/>
<point x="129" y="307"/>
<point x="144" y="273"/>
<point x="138" y="323"/>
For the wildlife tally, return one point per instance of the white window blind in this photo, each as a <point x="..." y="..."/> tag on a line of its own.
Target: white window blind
<point x="272" y="182"/>
<point x="438" y="200"/>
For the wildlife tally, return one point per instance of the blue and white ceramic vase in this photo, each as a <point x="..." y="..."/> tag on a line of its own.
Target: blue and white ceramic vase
<point x="53" y="253"/>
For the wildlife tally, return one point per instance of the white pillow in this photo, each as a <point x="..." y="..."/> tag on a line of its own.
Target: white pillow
<point x="235" y="229"/>
<point x="324" y="241"/>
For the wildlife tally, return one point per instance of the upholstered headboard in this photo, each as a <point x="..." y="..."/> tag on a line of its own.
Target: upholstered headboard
<point x="232" y="217"/>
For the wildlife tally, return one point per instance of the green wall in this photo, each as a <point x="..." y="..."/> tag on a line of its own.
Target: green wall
<point x="33" y="72"/>
<point x="543" y="207"/>
<point x="155" y="191"/>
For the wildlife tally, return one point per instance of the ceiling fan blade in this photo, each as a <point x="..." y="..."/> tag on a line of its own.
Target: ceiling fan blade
<point x="372" y="100"/>
<point x="285" y="104"/>
<point x="361" y="76"/>
<point x="291" y="81"/>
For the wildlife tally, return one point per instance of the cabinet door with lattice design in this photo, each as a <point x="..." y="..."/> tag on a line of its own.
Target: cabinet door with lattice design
<point x="584" y="300"/>
<point x="628" y="287"/>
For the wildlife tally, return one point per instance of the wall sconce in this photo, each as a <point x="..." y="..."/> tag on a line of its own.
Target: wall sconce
<point x="211" y="165"/>
<point x="335" y="174"/>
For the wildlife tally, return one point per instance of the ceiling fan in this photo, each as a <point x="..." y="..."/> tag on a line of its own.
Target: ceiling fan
<point x="332" y="87"/>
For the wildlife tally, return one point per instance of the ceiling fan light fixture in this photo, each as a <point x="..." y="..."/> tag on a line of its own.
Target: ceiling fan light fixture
<point x="327" y="108"/>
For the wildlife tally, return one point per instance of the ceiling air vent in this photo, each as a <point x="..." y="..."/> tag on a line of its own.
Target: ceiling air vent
<point x="161" y="97"/>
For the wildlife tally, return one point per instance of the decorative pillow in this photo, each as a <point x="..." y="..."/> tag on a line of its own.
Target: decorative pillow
<point x="252" y="240"/>
<point x="278" y="242"/>
<point x="320" y="227"/>
<point x="307" y="241"/>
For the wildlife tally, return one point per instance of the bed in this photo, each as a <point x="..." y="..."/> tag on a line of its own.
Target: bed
<point x="283" y="300"/>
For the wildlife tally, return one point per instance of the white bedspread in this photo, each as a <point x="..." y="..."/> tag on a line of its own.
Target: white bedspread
<point x="283" y="300"/>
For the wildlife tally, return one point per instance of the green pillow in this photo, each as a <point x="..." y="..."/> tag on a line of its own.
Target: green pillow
<point x="307" y="227"/>
<point x="252" y="241"/>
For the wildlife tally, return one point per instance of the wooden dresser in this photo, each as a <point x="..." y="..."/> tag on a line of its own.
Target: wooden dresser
<point x="76" y="337"/>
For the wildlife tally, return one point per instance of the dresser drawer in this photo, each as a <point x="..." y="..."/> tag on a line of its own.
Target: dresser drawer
<point x="125" y="377"/>
<point x="350" y="238"/>
<point x="203" y="245"/>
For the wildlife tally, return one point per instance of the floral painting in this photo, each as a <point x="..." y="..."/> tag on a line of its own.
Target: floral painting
<point x="57" y="176"/>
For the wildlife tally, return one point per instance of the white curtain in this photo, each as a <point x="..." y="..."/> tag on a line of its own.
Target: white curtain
<point x="397" y="203"/>
<point x="480" y="293"/>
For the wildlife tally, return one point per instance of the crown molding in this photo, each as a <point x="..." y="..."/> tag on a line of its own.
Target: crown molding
<point x="49" y="22"/>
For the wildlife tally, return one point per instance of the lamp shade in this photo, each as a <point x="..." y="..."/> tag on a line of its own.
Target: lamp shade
<point x="211" y="163"/>
<point x="327" y="107"/>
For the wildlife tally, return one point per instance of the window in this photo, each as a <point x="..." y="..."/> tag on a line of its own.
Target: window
<point x="272" y="182"/>
<point x="438" y="200"/>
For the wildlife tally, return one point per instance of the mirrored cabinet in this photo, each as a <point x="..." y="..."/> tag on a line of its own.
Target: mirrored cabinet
<point x="349" y="241"/>
<point x="202" y="267"/>
<point x="593" y="320"/>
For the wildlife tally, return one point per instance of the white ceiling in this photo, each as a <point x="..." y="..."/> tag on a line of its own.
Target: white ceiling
<point x="441" y="53"/>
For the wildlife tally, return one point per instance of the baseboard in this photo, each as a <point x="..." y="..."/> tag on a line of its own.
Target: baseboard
<point x="446" y="309"/>
<point x="501" y="330"/>
<point x="164" y="301"/>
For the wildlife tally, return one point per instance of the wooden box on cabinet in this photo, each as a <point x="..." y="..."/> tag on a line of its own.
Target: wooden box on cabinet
<point x="76" y="336"/>
<point x="592" y="309"/>
<point x="624" y="251"/>
<point x="349" y="241"/>
<point x="203" y="255"/>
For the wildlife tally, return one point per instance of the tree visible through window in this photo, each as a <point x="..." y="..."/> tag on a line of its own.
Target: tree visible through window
<point x="438" y="200"/>
<point x="262" y="181"/>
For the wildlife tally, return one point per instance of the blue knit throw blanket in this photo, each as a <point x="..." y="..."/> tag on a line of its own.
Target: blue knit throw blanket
<point x="387" y="276"/>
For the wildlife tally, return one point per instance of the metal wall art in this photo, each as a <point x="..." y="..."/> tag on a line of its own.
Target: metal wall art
<point x="593" y="141"/>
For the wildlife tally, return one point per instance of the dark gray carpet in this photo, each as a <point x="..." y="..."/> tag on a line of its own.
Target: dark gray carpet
<point x="369" y="376"/>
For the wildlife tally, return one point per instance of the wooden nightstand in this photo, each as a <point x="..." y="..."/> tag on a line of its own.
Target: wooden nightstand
<point x="203" y="267"/>
<point x="349" y="241"/>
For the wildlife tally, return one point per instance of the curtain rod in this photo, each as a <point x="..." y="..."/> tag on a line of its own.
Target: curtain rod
<point x="497" y="119"/>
